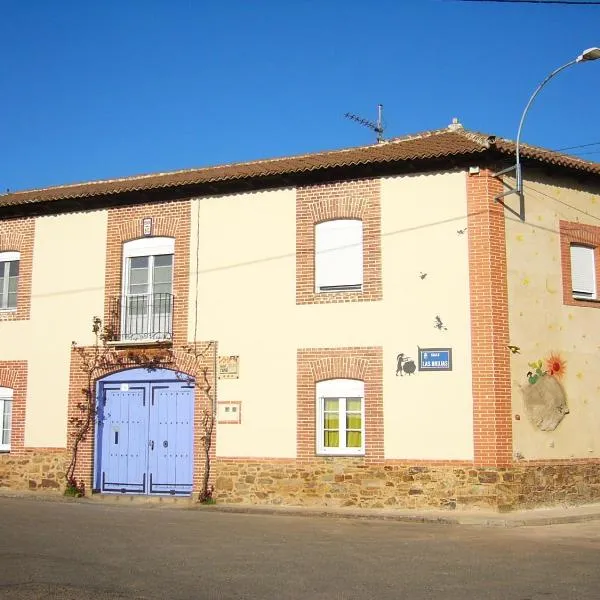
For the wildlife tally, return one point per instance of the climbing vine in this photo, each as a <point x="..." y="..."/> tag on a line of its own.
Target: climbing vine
<point x="101" y="358"/>
<point x="95" y="360"/>
<point x="207" y="420"/>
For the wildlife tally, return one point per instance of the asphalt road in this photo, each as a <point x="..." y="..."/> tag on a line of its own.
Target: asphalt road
<point x="71" y="550"/>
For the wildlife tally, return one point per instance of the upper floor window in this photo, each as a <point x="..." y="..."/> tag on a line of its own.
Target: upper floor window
<point x="147" y="299"/>
<point x="339" y="255"/>
<point x="9" y="279"/>
<point x="583" y="272"/>
<point x="340" y="417"/>
<point x="6" y="396"/>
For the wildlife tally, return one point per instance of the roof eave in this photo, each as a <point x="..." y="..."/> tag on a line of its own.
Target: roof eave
<point x="240" y="184"/>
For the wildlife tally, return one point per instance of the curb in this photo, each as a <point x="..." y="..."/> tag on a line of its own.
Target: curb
<point x="529" y="518"/>
<point x="465" y="519"/>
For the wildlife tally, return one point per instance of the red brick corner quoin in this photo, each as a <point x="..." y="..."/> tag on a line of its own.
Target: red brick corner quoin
<point x="492" y="424"/>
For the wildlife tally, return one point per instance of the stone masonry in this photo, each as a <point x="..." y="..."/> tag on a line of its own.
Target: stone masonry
<point x="351" y="482"/>
<point x="31" y="470"/>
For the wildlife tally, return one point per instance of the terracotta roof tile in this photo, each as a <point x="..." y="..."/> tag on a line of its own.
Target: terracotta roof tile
<point x="450" y="142"/>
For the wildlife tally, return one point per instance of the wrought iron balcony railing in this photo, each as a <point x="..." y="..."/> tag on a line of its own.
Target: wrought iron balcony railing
<point x="141" y="317"/>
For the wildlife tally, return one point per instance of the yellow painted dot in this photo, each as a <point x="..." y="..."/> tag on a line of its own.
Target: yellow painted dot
<point x="594" y="200"/>
<point x="540" y="218"/>
<point x="570" y="317"/>
<point x="579" y="375"/>
<point x="525" y="281"/>
<point x="519" y="238"/>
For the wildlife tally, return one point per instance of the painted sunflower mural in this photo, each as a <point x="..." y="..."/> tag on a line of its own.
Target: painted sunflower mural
<point x="544" y="396"/>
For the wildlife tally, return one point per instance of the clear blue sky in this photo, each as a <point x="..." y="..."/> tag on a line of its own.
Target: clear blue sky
<point x="97" y="89"/>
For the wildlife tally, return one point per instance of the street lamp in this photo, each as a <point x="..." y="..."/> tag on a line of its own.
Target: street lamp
<point x="585" y="56"/>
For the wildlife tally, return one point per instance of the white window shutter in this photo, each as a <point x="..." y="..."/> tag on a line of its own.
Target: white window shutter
<point x="583" y="272"/>
<point x="339" y="255"/>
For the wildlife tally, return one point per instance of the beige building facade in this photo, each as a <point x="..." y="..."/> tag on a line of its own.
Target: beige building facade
<point x="363" y="327"/>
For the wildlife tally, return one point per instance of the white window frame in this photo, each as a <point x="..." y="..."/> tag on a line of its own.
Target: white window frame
<point x="340" y="389"/>
<point x="6" y="396"/>
<point x="6" y="257"/>
<point x="339" y="256"/>
<point x="583" y="271"/>
<point x="146" y="247"/>
<point x="150" y="246"/>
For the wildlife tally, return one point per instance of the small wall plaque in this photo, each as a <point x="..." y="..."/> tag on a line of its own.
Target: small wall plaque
<point x="147" y="226"/>
<point x="229" y="412"/>
<point x="229" y="367"/>
<point x="435" y="359"/>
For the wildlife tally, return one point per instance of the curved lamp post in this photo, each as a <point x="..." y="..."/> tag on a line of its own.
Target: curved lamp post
<point x="586" y="55"/>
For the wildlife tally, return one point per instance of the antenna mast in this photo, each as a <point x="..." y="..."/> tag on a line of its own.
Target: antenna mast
<point x="376" y="127"/>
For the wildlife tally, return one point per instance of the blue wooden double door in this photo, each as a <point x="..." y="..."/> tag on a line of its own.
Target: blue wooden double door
<point x="144" y="441"/>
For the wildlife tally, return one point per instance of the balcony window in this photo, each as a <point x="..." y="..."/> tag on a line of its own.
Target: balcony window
<point x="146" y="305"/>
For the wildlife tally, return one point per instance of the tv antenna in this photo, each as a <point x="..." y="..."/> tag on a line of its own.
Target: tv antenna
<point x="376" y="127"/>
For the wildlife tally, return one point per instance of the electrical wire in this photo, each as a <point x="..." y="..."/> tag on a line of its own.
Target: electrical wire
<point x="565" y="2"/>
<point x="574" y="147"/>
<point x="586" y="153"/>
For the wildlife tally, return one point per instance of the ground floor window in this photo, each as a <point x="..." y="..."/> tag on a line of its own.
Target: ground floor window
<point x="340" y="417"/>
<point x="6" y="396"/>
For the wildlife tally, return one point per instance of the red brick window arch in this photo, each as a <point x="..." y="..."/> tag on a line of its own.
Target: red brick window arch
<point x="580" y="260"/>
<point x="364" y="367"/>
<point x="16" y="265"/>
<point x="338" y="221"/>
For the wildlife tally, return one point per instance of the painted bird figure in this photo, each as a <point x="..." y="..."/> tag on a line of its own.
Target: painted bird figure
<point x="514" y="349"/>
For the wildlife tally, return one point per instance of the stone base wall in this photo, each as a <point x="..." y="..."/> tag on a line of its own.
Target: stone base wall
<point x="33" y="470"/>
<point x="340" y="482"/>
<point x="532" y="485"/>
<point x="351" y="482"/>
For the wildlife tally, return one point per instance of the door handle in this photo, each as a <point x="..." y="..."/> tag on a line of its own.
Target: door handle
<point x="151" y="444"/>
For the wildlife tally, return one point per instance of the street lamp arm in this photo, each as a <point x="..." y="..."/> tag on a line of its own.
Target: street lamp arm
<point x="529" y="103"/>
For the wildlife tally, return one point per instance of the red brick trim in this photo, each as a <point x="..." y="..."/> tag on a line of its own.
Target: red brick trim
<point x="318" y="364"/>
<point x="170" y="219"/>
<point x="13" y="374"/>
<point x="18" y="236"/>
<point x="359" y="199"/>
<point x="578" y="233"/>
<point x="492" y="424"/>
<point x="183" y="362"/>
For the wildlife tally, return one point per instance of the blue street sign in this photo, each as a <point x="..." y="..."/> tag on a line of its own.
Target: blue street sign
<point x="435" y="359"/>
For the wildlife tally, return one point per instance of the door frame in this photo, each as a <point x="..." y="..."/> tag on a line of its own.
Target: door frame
<point x="133" y="376"/>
